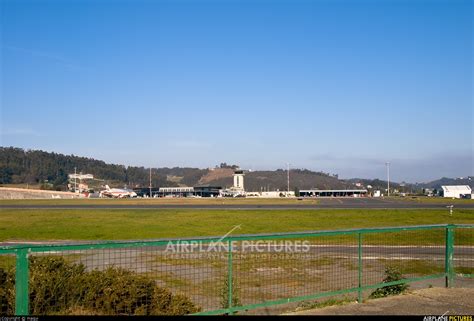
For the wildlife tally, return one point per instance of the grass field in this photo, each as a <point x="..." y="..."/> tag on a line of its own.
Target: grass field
<point x="95" y="224"/>
<point x="433" y="200"/>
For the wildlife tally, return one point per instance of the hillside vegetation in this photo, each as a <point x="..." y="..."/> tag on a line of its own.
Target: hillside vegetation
<point x="50" y="171"/>
<point x="18" y="166"/>
<point x="450" y="181"/>
<point x="35" y="167"/>
<point x="272" y="180"/>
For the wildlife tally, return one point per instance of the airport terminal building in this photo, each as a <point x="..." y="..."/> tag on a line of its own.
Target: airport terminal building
<point x="334" y="193"/>
<point x="197" y="191"/>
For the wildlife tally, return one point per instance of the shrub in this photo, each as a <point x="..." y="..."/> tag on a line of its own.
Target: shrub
<point x="3" y="292"/>
<point x="391" y="275"/>
<point x="118" y="291"/>
<point x="54" y="284"/>
<point x="7" y="294"/>
<point x="59" y="287"/>
<point x="78" y="310"/>
<point x="165" y="303"/>
<point x="225" y="294"/>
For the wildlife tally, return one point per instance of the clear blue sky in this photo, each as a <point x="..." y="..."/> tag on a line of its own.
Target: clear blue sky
<point x="338" y="86"/>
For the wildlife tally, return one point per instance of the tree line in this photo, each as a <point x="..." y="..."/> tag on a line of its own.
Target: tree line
<point x="19" y="166"/>
<point x="50" y="170"/>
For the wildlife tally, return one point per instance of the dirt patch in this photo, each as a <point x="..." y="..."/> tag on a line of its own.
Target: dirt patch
<point x="215" y="174"/>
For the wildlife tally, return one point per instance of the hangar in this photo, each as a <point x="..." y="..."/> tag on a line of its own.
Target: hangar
<point x="456" y="191"/>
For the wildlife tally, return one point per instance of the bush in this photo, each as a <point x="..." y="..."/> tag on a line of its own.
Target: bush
<point x="54" y="284"/>
<point x="7" y="296"/>
<point x="77" y="310"/>
<point x="391" y="275"/>
<point x="165" y="303"/>
<point x="59" y="287"/>
<point x="119" y="291"/>
<point x="225" y="294"/>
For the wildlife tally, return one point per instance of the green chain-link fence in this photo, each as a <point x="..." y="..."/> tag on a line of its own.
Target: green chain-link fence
<point x="228" y="274"/>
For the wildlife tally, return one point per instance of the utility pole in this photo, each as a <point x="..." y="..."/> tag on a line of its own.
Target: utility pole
<point x="150" y="182"/>
<point x="388" y="178"/>
<point x="288" y="178"/>
<point x="75" y="184"/>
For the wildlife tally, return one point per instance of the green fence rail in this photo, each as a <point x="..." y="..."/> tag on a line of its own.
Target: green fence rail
<point x="229" y="274"/>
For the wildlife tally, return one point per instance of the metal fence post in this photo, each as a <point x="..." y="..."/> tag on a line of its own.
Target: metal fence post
<point x="21" y="283"/>
<point x="449" y="255"/>
<point x="229" y="272"/>
<point x="359" y="297"/>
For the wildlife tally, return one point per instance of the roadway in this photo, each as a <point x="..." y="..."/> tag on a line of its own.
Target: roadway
<point x="436" y="302"/>
<point x="370" y="252"/>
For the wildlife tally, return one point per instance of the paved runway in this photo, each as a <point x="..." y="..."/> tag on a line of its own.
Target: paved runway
<point x="374" y="252"/>
<point x="323" y="203"/>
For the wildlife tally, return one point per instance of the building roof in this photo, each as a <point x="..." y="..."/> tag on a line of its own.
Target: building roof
<point x="176" y="189"/>
<point x="456" y="188"/>
<point x="333" y="190"/>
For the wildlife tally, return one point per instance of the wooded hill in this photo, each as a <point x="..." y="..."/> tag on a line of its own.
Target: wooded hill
<point x="33" y="166"/>
<point x="256" y="181"/>
<point x="450" y="181"/>
<point x="18" y="166"/>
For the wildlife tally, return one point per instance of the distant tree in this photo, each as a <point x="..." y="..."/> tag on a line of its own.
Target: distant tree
<point x="224" y="165"/>
<point x="5" y="175"/>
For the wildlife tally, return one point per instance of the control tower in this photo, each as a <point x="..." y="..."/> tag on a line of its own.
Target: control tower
<point x="238" y="180"/>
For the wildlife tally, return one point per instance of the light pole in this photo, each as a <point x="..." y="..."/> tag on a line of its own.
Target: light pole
<point x="388" y="178"/>
<point x="288" y="178"/>
<point x="150" y="182"/>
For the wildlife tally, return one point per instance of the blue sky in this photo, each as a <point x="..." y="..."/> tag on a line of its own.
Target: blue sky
<point x="337" y="86"/>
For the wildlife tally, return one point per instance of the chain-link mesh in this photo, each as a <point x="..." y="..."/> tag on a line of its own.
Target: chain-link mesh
<point x="127" y="281"/>
<point x="192" y="276"/>
<point x="402" y="254"/>
<point x="463" y="260"/>
<point x="277" y="269"/>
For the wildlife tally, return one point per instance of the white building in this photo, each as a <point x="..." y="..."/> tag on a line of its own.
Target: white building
<point x="76" y="184"/>
<point x="175" y="191"/>
<point x="80" y="176"/>
<point x="333" y="193"/>
<point x="457" y="191"/>
<point x="271" y="194"/>
<point x="237" y="190"/>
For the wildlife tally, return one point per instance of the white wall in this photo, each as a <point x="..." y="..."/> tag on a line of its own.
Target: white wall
<point x="456" y="191"/>
<point x="239" y="181"/>
<point x="271" y="194"/>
